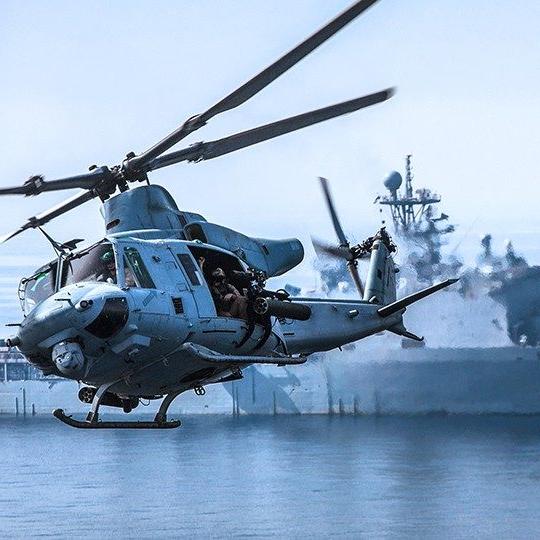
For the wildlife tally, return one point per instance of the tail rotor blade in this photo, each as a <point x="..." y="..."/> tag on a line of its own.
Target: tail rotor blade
<point x="343" y="251"/>
<point x="336" y="252"/>
<point x="343" y="242"/>
<point x="353" y="269"/>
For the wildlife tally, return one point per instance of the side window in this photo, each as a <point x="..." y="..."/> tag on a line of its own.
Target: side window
<point x="189" y="266"/>
<point x="39" y="287"/>
<point x="135" y="272"/>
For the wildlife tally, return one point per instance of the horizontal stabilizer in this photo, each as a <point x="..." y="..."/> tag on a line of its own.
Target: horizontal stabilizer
<point x="402" y="303"/>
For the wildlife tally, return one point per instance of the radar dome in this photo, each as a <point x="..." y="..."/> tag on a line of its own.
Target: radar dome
<point x="393" y="181"/>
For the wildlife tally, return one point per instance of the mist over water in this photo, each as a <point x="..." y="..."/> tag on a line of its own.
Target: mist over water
<point x="446" y="319"/>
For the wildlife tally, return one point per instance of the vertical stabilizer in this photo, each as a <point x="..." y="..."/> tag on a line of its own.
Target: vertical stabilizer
<point x="381" y="279"/>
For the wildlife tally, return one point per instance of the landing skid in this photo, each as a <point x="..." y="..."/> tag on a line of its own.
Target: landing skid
<point x="87" y="424"/>
<point x="93" y="422"/>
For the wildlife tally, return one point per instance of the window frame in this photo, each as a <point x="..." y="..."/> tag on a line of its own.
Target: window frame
<point x="149" y="282"/>
<point x="195" y="270"/>
<point x="52" y="268"/>
<point x="66" y="262"/>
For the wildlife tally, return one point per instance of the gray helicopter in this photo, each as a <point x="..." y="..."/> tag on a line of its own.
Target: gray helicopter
<point x="168" y="302"/>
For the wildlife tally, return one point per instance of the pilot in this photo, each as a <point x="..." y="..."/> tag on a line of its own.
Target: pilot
<point x="108" y="270"/>
<point x="229" y="302"/>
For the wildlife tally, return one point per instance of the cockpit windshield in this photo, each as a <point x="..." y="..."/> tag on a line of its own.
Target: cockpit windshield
<point x="38" y="287"/>
<point x="97" y="263"/>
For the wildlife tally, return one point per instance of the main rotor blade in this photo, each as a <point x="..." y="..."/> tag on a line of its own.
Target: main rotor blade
<point x="343" y="242"/>
<point x="212" y="149"/>
<point x="272" y="72"/>
<point x="45" y="217"/>
<point x="254" y="85"/>
<point x="327" y="250"/>
<point x="353" y="269"/>
<point x="36" y="184"/>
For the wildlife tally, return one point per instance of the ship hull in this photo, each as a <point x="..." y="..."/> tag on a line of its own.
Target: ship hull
<point x="381" y="381"/>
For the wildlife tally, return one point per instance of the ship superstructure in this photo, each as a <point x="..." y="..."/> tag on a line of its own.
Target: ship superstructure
<point x="416" y="223"/>
<point x="507" y="279"/>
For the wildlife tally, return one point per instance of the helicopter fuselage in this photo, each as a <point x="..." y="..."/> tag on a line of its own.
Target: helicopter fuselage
<point x="133" y="331"/>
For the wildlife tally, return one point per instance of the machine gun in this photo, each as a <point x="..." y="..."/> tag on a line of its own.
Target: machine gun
<point x="264" y="304"/>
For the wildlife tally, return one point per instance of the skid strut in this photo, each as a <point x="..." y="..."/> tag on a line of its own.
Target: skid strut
<point x="93" y="415"/>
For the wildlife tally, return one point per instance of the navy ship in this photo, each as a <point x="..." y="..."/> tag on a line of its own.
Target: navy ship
<point x="482" y="354"/>
<point x="422" y="231"/>
<point x="508" y="279"/>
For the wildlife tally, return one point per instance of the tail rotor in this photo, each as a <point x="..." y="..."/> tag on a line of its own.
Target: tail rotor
<point x="343" y="251"/>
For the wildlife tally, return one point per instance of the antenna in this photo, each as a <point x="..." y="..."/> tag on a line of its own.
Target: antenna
<point x="61" y="248"/>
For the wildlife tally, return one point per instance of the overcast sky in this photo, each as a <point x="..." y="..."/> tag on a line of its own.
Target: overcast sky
<point x="86" y="82"/>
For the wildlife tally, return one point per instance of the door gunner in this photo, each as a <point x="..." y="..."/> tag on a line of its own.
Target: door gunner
<point x="229" y="301"/>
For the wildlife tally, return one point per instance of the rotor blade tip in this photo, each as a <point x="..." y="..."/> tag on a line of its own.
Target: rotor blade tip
<point x="390" y="92"/>
<point x="9" y="236"/>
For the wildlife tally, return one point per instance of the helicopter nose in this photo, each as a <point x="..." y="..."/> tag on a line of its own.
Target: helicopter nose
<point x="99" y="309"/>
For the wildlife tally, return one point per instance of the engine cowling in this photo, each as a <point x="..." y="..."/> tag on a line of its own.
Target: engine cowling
<point x="273" y="257"/>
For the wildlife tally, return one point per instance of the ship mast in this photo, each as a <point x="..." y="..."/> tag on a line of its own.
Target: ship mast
<point x="407" y="209"/>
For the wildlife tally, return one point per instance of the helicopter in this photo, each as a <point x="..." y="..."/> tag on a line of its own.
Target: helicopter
<point x="168" y="302"/>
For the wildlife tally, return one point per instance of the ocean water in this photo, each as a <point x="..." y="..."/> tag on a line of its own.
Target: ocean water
<point x="283" y="476"/>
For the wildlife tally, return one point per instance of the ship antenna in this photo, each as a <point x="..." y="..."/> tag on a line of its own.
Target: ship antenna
<point x="410" y="175"/>
<point x="408" y="208"/>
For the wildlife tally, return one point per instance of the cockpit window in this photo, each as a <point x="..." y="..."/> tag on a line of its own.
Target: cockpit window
<point x="95" y="264"/>
<point x="135" y="272"/>
<point x="38" y="287"/>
